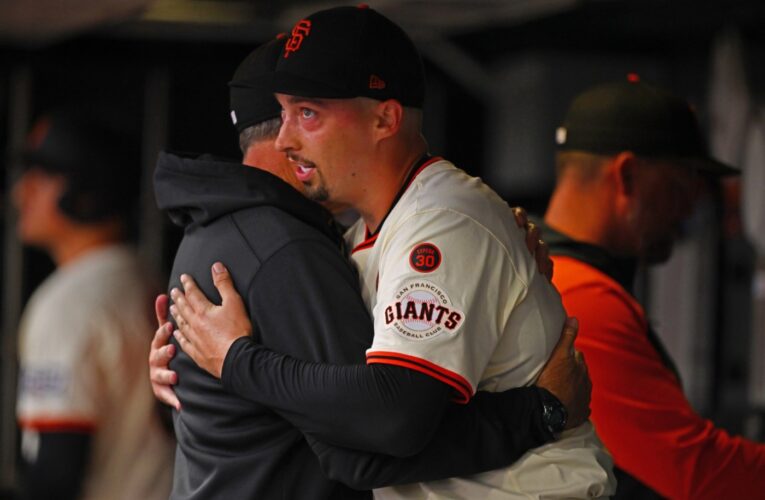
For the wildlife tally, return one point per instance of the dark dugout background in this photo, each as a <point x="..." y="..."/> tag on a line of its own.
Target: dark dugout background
<point x="500" y="76"/>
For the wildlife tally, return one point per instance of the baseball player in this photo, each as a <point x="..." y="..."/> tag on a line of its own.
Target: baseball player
<point x="454" y="293"/>
<point x="90" y="428"/>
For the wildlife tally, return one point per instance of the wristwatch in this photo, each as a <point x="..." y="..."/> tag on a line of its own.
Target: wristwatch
<point x="554" y="414"/>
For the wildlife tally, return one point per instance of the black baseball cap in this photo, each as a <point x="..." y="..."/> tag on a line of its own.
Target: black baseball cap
<point x="251" y="97"/>
<point x="634" y="116"/>
<point x="348" y="52"/>
<point x="99" y="162"/>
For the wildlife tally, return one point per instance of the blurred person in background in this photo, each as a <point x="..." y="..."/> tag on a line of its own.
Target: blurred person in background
<point x="90" y="427"/>
<point x="630" y="162"/>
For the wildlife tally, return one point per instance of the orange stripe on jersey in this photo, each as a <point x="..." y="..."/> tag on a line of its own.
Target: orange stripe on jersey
<point x="365" y="244"/>
<point x="58" y="425"/>
<point x="456" y="381"/>
<point x="423" y="167"/>
<point x="369" y="237"/>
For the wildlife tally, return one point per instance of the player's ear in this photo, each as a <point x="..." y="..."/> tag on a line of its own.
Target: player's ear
<point x="625" y="165"/>
<point x="389" y="116"/>
<point x="623" y="174"/>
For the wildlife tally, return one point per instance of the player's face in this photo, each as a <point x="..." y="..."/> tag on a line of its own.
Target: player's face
<point x="665" y="199"/>
<point x="329" y="142"/>
<point x="263" y="155"/>
<point x="36" y="195"/>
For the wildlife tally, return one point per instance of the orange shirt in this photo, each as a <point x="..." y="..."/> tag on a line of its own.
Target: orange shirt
<point x="638" y="405"/>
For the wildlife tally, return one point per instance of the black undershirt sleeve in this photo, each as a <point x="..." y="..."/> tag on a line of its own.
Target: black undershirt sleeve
<point x="59" y="468"/>
<point x="387" y="410"/>
<point x="335" y="405"/>
<point x="381" y="408"/>
<point x="487" y="434"/>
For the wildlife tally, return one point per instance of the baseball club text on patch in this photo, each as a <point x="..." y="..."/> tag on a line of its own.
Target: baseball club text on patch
<point x="421" y="310"/>
<point x="425" y="258"/>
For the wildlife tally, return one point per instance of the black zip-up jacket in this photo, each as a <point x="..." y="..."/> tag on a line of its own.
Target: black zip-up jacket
<point x="303" y="298"/>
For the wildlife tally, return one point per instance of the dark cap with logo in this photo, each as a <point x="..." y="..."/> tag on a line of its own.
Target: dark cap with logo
<point x="250" y="95"/>
<point x="633" y="116"/>
<point x="348" y="52"/>
<point x="99" y="162"/>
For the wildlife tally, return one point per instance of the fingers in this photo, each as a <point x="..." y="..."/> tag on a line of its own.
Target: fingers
<point x="534" y="243"/>
<point x="543" y="253"/>
<point x="195" y="298"/>
<point x="542" y="257"/>
<point x="163" y="376"/>
<point x="185" y="332"/>
<point x="565" y="345"/>
<point x="571" y="328"/>
<point x="187" y="346"/>
<point x="182" y="340"/>
<point x="181" y="310"/>
<point x="565" y="375"/>
<point x="161" y="355"/>
<point x="532" y="237"/>
<point x="532" y="232"/>
<point x="160" y="308"/>
<point x="579" y="357"/>
<point x="165" y="394"/>
<point x="520" y="217"/>
<point x="223" y="282"/>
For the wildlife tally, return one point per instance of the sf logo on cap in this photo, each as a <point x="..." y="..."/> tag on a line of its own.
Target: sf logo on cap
<point x="301" y="30"/>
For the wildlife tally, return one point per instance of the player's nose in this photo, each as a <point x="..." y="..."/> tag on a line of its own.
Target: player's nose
<point x="286" y="141"/>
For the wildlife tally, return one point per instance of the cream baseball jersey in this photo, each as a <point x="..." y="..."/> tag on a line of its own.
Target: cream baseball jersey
<point x="456" y="294"/>
<point x="82" y="352"/>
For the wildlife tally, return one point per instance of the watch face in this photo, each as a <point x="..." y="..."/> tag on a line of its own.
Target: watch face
<point x="557" y="420"/>
<point x="554" y="415"/>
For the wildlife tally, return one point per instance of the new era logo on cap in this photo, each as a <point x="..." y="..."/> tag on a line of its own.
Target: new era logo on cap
<point x="375" y="82"/>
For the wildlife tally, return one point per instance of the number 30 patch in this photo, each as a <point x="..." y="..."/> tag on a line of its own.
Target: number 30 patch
<point x="425" y="258"/>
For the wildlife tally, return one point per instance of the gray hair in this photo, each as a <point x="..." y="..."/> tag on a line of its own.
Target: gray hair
<point x="262" y="131"/>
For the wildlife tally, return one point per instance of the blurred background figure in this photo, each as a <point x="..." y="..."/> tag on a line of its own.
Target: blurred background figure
<point x="631" y="162"/>
<point x="89" y="424"/>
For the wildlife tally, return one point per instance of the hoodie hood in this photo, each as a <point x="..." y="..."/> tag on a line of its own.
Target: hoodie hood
<point x="197" y="191"/>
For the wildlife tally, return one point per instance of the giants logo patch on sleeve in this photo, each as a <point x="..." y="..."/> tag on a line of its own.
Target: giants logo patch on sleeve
<point x="421" y="310"/>
<point x="425" y="258"/>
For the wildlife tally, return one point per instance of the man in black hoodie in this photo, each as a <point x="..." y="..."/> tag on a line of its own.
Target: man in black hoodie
<point x="288" y="264"/>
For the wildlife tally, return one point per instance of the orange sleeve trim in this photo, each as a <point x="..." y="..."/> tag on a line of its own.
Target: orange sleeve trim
<point x="463" y="389"/>
<point x="58" y="425"/>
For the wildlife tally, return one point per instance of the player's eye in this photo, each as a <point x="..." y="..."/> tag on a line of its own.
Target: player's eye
<point x="307" y="113"/>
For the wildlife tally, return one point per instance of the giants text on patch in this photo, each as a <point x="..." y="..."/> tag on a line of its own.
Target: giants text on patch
<point x="421" y="310"/>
